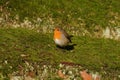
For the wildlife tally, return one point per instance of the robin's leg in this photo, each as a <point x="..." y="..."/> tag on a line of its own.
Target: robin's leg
<point x="57" y="47"/>
<point x="61" y="48"/>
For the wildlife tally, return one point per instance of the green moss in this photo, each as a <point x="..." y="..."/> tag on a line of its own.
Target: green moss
<point x="95" y="12"/>
<point x="91" y="53"/>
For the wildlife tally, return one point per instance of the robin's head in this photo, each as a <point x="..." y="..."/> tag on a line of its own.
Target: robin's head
<point x="57" y="29"/>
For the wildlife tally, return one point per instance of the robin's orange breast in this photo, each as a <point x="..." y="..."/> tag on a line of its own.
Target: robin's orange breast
<point x="57" y="34"/>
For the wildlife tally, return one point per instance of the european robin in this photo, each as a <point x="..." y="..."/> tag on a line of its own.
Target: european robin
<point x="61" y="37"/>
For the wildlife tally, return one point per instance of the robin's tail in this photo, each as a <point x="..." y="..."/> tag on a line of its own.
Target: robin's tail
<point x="70" y="36"/>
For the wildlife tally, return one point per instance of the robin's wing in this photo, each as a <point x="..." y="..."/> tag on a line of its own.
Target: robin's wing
<point x="66" y="35"/>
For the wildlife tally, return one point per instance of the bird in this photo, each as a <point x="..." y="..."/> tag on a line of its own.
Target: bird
<point x="61" y="37"/>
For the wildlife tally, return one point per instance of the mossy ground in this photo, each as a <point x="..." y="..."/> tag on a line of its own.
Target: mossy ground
<point x="18" y="45"/>
<point x="101" y="55"/>
<point x="74" y="13"/>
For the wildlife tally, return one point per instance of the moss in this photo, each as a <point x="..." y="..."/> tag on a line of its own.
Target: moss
<point x="91" y="53"/>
